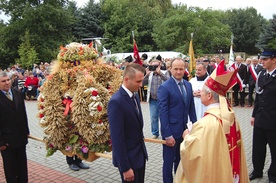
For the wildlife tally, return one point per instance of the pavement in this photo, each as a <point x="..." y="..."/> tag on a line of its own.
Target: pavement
<point x="54" y="169"/>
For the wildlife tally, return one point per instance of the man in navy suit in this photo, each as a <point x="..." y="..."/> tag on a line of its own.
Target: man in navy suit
<point x="175" y="103"/>
<point x="125" y="118"/>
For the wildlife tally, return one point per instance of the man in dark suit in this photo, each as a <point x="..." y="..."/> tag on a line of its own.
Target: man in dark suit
<point x="253" y="71"/>
<point x="126" y="126"/>
<point x="242" y="73"/>
<point x="175" y="103"/>
<point x="264" y="117"/>
<point x="14" y="131"/>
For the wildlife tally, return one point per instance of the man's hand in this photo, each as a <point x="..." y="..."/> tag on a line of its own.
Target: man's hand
<point x="252" y="121"/>
<point x="170" y="142"/>
<point x="129" y="175"/>
<point x="158" y="70"/>
<point x="197" y="93"/>
<point x="2" y="148"/>
<point x="148" y="71"/>
<point x="186" y="132"/>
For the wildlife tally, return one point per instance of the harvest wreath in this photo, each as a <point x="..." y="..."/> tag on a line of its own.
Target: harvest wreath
<point x="73" y="102"/>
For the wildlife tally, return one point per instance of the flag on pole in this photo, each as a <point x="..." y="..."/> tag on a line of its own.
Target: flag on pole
<point x="231" y="56"/>
<point x="136" y="56"/>
<point x="192" y="63"/>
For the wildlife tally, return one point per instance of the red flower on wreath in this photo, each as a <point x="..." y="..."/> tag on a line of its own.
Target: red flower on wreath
<point x="41" y="115"/>
<point x="99" y="108"/>
<point x="41" y="107"/>
<point x="94" y="93"/>
<point x="100" y="120"/>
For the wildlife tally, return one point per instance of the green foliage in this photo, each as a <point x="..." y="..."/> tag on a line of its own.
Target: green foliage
<point x="50" y="151"/>
<point x="73" y="139"/>
<point x="245" y="25"/>
<point x="49" y="25"/>
<point x="88" y="21"/>
<point x="267" y="38"/>
<point x="99" y="148"/>
<point x="157" y="25"/>
<point x="174" y="31"/>
<point x="125" y="16"/>
<point x="27" y="53"/>
<point x="49" y="28"/>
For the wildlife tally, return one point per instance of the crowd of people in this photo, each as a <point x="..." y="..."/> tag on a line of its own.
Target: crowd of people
<point x="28" y="82"/>
<point x="198" y="125"/>
<point x="202" y="137"/>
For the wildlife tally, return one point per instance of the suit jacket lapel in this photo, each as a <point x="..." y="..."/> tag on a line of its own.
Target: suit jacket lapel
<point x="140" y="112"/>
<point x="271" y="78"/>
<point x="129" y="100"/>
<point x="6" y="100"/>
<point x="187" y="93"/>
<point x="176" y="88"/>
<point x="15" y="99"/>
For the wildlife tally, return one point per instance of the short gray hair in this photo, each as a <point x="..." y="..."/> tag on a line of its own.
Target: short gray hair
<point x="201" y="63"/>
<point x="208" y="90"/>
<point x="3" y="74"/>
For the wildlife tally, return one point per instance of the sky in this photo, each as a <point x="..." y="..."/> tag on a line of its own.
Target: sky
<point x="265" y="7"/>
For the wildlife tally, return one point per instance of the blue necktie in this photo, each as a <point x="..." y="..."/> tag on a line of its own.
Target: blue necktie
<point x="135" y="102"/>
<point x="183" y="91"/>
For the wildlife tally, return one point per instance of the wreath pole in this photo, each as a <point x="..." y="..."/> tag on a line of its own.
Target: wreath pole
<point x="103" y="155"/>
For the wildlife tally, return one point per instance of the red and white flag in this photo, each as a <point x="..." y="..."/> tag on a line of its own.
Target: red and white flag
<point x="136" y="55"/>
<point x="239" y="80"/>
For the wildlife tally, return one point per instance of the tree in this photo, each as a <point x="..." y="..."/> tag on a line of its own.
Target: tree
<point x="174" y="31"/>
<point x="49" y="24"/>
<point x="4" y="61"/>
<point x="125" y="16"/>
<point x="245" y="25"/>
<point x="88" y="21"/>
<point x="49" y="27"/>
<point x="27" y="53"/>
<point x="267" y="38"/>
<point x="15" y="8"/>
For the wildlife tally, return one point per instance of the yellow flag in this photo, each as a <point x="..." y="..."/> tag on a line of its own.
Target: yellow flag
<point x="192" y="63"/>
